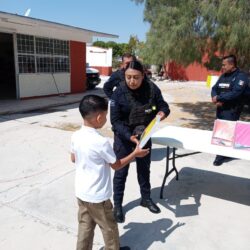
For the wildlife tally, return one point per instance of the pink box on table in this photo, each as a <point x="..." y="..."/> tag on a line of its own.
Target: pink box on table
<point x="242" y="135"/>
<point x="223" y="133"/>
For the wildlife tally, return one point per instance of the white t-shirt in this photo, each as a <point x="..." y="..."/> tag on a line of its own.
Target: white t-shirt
<point x="93" y="153"/>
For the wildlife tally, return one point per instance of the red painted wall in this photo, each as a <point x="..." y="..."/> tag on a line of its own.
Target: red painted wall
<point x="175" y="71"/>
<point x="193" y="72"/>
<point x="77" y="66"/>
<point x="197" y="72"/>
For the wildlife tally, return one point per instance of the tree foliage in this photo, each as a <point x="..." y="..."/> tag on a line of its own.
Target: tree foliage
<point x="187" y="30"/>
<point x="119" y="49"/>
<point x="133" y="46"/>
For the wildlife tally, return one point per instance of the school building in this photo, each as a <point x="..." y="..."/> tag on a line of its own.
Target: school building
<point x="101" y="59"/>
<point x="42" y="58"/>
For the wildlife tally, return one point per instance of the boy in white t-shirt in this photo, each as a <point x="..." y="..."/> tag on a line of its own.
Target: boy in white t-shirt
<point x="93" y="156"/>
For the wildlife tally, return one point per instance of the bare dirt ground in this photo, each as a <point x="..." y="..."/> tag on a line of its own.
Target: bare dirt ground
<point x="191" y="105"/>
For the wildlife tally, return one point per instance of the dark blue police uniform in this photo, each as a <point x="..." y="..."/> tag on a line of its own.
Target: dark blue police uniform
<point x="229" y="90"/>
<point x="122" y="106"/>
<point x="113" y="81"/>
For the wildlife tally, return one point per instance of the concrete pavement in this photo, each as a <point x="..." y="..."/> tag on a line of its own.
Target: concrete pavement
<point x="208" y="208"/>
<point x="20" y="106"/>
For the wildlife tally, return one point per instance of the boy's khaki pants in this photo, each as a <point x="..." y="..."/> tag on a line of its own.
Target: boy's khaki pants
<point x="89" y="215"/>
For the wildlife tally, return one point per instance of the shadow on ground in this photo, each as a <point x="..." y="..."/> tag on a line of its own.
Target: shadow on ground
<point x="153" y="231"/>
<point x="183" y="197"/>
<point x="203" y="114"/>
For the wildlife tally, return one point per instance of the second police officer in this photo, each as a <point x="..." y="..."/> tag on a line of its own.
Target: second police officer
<point x="133" y="105"/>
<point x="117" y="76"/>
<point x="228" y="94"/>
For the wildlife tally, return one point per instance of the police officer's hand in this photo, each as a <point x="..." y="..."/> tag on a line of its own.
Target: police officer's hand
<point x="219" y="104"/>
<point x="162" y="115"/>
<point x="214" y="99"/>
<point x="134" y="139"/>
<point x="140" y="152"/>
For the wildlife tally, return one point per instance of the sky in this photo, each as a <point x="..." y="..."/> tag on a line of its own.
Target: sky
<point x="118" y="17"/>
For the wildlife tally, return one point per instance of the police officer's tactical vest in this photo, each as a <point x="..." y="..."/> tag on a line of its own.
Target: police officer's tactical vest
<point x="140" y="115"/>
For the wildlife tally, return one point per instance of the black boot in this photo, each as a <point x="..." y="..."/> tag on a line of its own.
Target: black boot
<point x="153" y="208"/>
<point x="219" y="159"/>
<point x="118" y="214"/>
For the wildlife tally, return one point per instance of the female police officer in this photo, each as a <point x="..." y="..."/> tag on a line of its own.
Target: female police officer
<point x="133" y="105"/>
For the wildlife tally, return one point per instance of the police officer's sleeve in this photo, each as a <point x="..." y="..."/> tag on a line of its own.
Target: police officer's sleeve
<point x="238" y="89"/>
<point x="116" y="118"/>
<point x="214" y="89"/>
<point x="111" y="83"/>
<point x="162" y="105"/>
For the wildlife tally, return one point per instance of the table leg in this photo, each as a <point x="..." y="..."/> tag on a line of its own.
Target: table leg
<point x="173" y="163"/>
<point x="167" y="172"/>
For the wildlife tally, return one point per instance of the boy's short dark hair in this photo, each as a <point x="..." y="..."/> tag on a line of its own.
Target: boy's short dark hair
<point x="90" y="104"/>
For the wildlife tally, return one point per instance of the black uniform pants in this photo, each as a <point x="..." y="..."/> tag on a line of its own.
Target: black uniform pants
<point x="232" y="114"/>
<point x="122" y="148"/>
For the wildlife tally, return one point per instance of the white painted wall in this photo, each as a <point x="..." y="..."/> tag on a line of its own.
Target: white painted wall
<point x="211" y="80"/>
<point x="43" y="84"/>
<point x="99" y="57"/>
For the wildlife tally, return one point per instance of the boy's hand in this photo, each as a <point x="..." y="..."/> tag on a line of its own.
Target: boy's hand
<point x="134" y="139"/>
<point x="162" y="115"/>
<point x="139" y="152"/>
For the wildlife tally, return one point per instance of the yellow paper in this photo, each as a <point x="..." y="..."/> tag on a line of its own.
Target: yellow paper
<point x="149" y="130"/>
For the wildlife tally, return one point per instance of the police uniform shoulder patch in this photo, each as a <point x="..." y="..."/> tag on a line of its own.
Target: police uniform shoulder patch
<point x="241" y="83"/>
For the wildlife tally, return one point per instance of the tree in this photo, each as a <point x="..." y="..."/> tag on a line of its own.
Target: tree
<point x="116" y="47"/>
<point x="187" y="30"/>
<point x="100" y="44"/>
<point x="134" y="46"/>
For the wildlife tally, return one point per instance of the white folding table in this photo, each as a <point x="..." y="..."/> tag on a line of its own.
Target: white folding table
<point x="191" y="139"/>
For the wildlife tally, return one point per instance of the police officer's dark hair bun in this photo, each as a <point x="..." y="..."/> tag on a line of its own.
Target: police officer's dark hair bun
<point x="135" y="65"/>
<point x="90" y="104"/>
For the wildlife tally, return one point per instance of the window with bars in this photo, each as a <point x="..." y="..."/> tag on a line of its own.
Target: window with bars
<point x="61" y="64"/>
<point x="26" y="63"/>
<point x="42" y="55"/>
<point x="61" y="47"/>
<point x="44" y="64"/>
<point x="44" y="46"/>
<point x="25" y="44"/>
